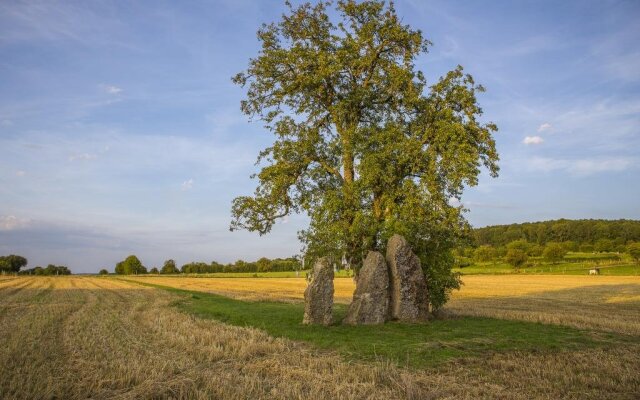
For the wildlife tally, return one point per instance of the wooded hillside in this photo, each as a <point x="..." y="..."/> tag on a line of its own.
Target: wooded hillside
<point x="583" y="231"/>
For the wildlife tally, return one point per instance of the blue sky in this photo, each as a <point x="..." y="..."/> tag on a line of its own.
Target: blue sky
<point x="120" y="129"/>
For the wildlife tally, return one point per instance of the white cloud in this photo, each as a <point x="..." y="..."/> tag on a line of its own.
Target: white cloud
<point x="11" y="222"/>
<point x="583" y="167"/>
<point x="533" y="140"/>
<point x="82" y="157"/>
<point x="111" y="89"/>
<point x="6" y="122"/>
<point x="21" y="173"/>
<point x="544" y="127"/>
<point x="187" y="185"/>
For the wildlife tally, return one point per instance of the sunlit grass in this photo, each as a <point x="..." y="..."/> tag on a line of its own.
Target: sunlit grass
<point x="408" y="344"/>
<point x="578" y="301"/>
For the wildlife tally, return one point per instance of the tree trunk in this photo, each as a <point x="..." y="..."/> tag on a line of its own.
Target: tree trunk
<point x="348" y="173"/>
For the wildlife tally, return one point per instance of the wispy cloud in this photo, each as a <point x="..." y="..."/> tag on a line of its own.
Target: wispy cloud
<point x="617" y="54"/>
<point x="111" y="89"/>
<point x="78" y="23"/>
<point x="544" y="127"/>
<point x="625" y="67"/>
<point x="582" y="167"/>
<point x="21" y="173"/>
<point x="82" y="157"/>
<point x="533" y="45"/>
<point x="187" y="185"/>
<point x="533" y="140"/>
<point x="610" y="123"/>
<point x="11" y="222"/>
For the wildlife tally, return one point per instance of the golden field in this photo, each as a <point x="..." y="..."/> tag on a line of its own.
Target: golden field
<point x="609" y="303"/>
<point x="279" y="289"/>
<point x="90" y="337"/>
<point x="78" y="338"/>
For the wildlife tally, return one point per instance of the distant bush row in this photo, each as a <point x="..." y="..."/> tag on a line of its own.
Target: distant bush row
<point x="132" y="266"/>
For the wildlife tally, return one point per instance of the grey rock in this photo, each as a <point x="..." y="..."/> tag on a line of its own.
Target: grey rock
<point x="318" y="297"/>
<point x="370" y="303"/>
<point x="409" y="299"/>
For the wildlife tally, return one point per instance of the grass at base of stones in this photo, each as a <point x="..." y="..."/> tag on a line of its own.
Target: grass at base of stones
<point x="413" y="345"/>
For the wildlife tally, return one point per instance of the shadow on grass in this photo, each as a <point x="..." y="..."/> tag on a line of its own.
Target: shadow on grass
<point x="415" y="345"/>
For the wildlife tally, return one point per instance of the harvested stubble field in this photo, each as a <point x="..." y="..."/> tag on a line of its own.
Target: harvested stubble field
<point x="88" y="337"/>
<point x="608" y="303"/>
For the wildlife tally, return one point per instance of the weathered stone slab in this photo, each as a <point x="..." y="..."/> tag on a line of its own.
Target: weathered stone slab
<point x="318" y="297"/>
<point x="408" y="287"/>
<point x="370" y="303"/>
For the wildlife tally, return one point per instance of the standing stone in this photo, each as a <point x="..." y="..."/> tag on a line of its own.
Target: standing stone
<point x="318" y="297"/>
<point x="408" y="294"/>
<point x="370" y="303"/>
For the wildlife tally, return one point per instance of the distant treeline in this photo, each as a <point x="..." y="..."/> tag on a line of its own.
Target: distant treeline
<point x="14" y="263"/>
<point x="132" y="265"/>
<point x="580" y="232"/>
<point x="48" y="270"/>
<point x="262" y="265"/>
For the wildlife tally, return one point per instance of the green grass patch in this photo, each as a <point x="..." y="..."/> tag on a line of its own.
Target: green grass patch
<point x="415" y="345"/>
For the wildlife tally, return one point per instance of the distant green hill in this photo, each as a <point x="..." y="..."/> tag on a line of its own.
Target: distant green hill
<point x="582" y="231"/>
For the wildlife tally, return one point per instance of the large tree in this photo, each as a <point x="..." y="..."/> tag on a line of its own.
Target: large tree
<point x="363" y="145"/>
<point x="169" y="267"/>
<point x="12" y="263"/>
<point x="130" y="266"/>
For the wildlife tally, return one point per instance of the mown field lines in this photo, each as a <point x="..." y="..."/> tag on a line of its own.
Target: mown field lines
<point x="604" y="303"/>
<point x="85" y="337"/>
<point x="101" y="338"/>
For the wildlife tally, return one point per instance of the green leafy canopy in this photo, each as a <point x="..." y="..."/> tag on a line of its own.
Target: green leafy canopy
<point x="362" y="145"/>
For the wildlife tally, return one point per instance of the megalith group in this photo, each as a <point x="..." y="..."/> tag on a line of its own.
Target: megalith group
<point x="388" y="288"/>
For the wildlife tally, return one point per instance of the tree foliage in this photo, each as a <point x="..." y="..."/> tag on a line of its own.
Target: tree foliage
<point x="12" y="263"/>
<point x="50" y="269"/>
<point x="516" y="257"/>
<point x="634" y="251"/>
<point x="363" y="145"/>
<point x="169" y="267"/>
<point x="603" y="245"/>
<point x="554" y="252"/>
<point x="484" y="253"/>
<point x="130" y="266"/>
<point x="521" y="245"/>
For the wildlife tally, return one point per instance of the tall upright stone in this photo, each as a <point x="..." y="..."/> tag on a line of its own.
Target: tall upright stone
<point x="370" y="303"/>
<point x="318" y="297"/>
<point x="408" y="288"/>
